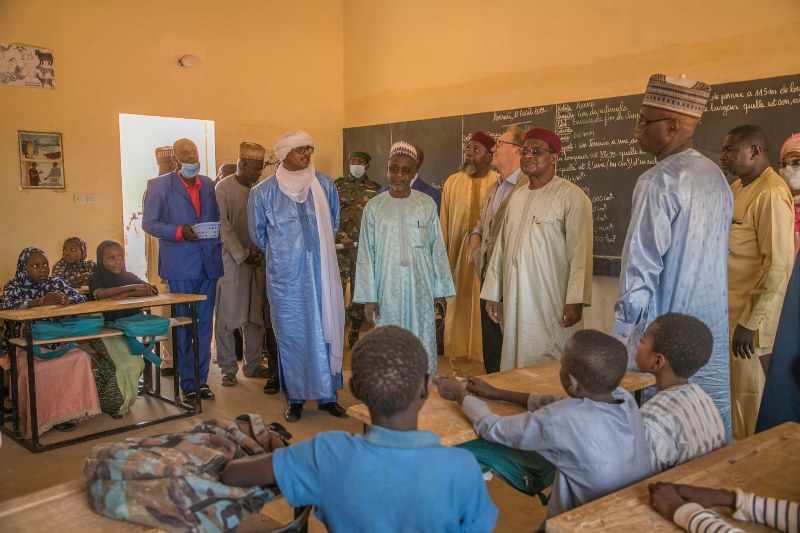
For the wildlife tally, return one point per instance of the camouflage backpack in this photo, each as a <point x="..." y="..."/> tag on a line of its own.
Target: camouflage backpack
<point x="171" y="481"/>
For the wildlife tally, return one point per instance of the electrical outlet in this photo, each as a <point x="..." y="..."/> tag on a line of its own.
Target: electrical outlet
<point x="80" y="197"/>
<point x="91" y="197"/>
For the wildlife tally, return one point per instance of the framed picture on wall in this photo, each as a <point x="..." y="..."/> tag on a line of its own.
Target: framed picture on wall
<point x="41" y="160"/>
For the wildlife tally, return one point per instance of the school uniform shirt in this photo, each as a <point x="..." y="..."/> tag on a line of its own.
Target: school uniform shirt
<point x="385" y="481"/>
<point x="681" y="423"/>
<point x="597" y="447"/>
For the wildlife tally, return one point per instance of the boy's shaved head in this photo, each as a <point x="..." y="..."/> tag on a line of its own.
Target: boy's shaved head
<point x="683" y="340"/>
<point x="598" y="361"/>
<point x="389" y="365"/>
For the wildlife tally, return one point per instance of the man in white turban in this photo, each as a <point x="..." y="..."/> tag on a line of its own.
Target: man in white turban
<point x="293" y="217"/>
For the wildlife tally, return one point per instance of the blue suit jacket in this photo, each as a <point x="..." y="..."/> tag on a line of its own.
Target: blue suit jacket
<point x="421" y="186"/>
<point x="167" y="206"/>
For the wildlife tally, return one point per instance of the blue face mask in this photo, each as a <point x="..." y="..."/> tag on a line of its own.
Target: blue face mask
<point x="190" y="170"/>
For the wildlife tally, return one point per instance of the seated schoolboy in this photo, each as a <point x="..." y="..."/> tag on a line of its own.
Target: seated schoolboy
<point x="65" y="389"/>
<point x="681" y="422"/>
<point x="74" y="267"/>
<point x="594" y="438"/>
<point x="392" y="478"/>
<point x="118" y="372"/>
<point x="687" y="506"/>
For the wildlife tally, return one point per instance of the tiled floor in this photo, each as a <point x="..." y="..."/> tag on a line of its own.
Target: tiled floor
<point x="22" y="472"/>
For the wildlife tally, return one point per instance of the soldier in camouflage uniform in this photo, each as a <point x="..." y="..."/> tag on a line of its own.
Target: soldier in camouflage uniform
<point x="355" y="191"/>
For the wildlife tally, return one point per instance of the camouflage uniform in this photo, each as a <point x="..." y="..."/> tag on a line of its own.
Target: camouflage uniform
<point x="354" y="193"/>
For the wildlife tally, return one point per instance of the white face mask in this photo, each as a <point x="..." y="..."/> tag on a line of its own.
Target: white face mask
<point x="791" y="175"/>
<point x="357" y="170"/>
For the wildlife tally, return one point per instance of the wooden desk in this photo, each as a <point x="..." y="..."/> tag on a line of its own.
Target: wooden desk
<point x="151" y="375"/>
<point x="445" y="418"/>
<point x="766" y="464"/>
<point x="65" y="508"/>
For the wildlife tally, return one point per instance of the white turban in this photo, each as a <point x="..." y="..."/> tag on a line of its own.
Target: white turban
<point x="290" y="141"/>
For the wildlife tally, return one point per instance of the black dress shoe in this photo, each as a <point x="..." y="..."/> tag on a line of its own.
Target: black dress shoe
<point x="273" y="386"/>
<point x="205" y="393"/>
<point x="294" y="412"/>
<point x="190" y="397"/>
<point x="167" y="372"/>
<point x="333" y="409"/>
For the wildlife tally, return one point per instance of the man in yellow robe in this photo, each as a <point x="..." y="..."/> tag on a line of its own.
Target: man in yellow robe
<point x="461" y="206"/>
<point x="759" y="264"/>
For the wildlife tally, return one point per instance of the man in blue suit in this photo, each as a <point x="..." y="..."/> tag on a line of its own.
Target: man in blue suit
<point x="418" y="185"/>
<point x="173" y="203"/>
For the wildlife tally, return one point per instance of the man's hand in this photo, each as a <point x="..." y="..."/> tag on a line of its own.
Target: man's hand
<point x="441" y="305"/>
<point x="450" y="388"/>
<point x="665" y="499"/>
<point x="254" y="257"/>
<point x="743" y="343"/>
<point x="188" y="233"/>
<point x="481" y="388"/>
<point x="372" y="312"/>
<point x="493" y="310"/>
<point x="347" y="242"/>
<point x="571" y="315"/>
<point x="474" y="242"/>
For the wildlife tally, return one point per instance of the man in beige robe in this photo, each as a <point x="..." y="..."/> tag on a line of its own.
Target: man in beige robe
<point x="461" y="204"/>
<point x="759" y="264"/>
<point x="240" y="291"/>
<point x="166" y="164"/>
<point x="541" y="267"/>
<point x="505" y="158"/>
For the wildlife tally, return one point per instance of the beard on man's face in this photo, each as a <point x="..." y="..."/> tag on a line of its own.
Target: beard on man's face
<point x="468" y="167"/>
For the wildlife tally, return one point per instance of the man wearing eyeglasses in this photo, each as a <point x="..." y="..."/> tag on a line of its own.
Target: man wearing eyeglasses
<point x="293" y="217"/>
<point x="505" y="158"/>
<point x="461" y="206"/>
<point x="541" y="267"/>
<point x="760" y="261"/>
<point x="675" y="257"/>
<point x="403" y="272"/>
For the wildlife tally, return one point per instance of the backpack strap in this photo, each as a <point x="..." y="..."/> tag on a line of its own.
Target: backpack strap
<point x="54" y="354"/>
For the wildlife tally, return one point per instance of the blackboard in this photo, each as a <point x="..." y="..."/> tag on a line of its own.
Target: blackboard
<point x="600" y="154"/>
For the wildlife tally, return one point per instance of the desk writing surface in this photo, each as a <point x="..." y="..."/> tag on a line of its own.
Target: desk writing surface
<point x="445" y="418"/>
<point x="52" y="311"/>
<point x="766" y="463"/>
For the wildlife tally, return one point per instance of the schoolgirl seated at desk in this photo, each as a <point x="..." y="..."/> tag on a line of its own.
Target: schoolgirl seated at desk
<point x="65" y="388"/>
<point x="119" y="369"/>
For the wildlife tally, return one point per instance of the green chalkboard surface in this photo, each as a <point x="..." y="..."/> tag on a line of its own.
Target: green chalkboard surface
<point x="600" y="154"/>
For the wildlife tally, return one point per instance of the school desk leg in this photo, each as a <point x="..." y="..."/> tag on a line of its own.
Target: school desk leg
<point x="14" y="392"/>
<point x="32" y="388"/>
<point x="175" y="371"/>
<point x="638" y="395"/>
<point x="196" y="353"/>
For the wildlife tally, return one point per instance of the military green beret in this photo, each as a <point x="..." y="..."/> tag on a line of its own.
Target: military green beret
<point x="358" y="153"/>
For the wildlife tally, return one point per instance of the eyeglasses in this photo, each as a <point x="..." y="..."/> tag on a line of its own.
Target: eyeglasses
<point x="302" y="150"/>
<point x="499" y="142"/>
<point x="641" y="122"/>
<point x="405" y="171"/>
<point x="535" y="151"/>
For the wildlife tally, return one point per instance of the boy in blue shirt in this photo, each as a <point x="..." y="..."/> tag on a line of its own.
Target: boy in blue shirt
<point x="595" y="438"/>
<point x="392" y="478"/>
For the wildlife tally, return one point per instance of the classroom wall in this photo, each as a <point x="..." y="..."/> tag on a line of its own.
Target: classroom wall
<point x="416" y="59"/>
<point x="265" y="67"/>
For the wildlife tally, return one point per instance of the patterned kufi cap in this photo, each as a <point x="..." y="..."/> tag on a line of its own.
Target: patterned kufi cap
<point x="252" y="151"/>
<point x="403" y="148"/>
<point x="164" y="152"/>
<point x="677" y="95"/>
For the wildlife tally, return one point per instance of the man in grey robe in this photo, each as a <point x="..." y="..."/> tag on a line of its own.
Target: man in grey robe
<point x="240" y="291"/>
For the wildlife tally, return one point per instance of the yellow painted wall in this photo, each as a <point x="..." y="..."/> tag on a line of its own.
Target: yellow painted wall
<point x="417" y="59"/>
<point x="265" y="67"/>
